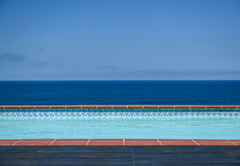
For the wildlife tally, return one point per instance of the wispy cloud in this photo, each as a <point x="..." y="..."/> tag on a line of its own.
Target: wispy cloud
<point x="12" y="57"/>
<point x="146" y="72"/>
<point x="40" y="64"/>
<point x="162" y="72"/>
<point x="109" y="67"/>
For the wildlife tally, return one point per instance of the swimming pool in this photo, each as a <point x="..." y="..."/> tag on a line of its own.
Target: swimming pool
<point x="149" y="122"/>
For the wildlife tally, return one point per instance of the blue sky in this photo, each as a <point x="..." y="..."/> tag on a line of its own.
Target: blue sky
<point x="120" y="40"/>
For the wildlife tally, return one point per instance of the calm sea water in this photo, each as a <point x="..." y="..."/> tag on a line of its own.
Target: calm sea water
<point x="119" y="92"/>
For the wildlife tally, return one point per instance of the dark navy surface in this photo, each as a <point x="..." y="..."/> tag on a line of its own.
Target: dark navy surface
<point x="120" y="92"/>
<point x="120" y="155"/>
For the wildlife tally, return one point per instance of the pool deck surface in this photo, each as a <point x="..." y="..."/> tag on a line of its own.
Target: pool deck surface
<point x="117" y="142"/>
<point x="120" y="155"/>
<point x="119" y="152"/>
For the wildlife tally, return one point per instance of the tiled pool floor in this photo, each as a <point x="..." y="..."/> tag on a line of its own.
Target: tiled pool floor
<point x="116" y="142"/>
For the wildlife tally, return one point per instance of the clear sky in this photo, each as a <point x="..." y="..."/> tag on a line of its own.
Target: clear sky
<point x="119" y="40"/>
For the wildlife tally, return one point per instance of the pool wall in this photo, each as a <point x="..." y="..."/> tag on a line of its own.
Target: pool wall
<point x="118" y="110"/>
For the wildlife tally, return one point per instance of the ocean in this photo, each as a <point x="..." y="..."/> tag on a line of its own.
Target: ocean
<point x="119" y="92"/>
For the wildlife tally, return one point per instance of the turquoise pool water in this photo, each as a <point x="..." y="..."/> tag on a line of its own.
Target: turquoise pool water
<point x="169" y="127"/>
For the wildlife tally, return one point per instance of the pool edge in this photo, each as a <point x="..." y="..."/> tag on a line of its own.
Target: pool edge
<point x="119" y="142"/>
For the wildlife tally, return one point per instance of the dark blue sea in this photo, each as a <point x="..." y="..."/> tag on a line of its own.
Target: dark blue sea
<point x="119" y="92"/>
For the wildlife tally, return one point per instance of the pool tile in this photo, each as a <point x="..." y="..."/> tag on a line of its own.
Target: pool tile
<point x="132" y="142"/>
<point x="8" y="142"/>
<point x="115" y="142"/>
<point x="12" y="107"/>
<point x="237" y="142"/>
<point x="74" y="106"/>
<point x="213" y="142"/>
<point x="119" y="106"/>
<point x="229" y="106"/>
<point x="88" y="106"/>
<point x="135" y="106"/>
<point x="198" y="106"/>
<point x="104" y="106"/>
<point x="106" y="139"/>
<point x="182" y="106"/>
<point x="99" y="143"/>
<point x="177" y="142"/>
<point x="150" y="106"/>
<point x="166" y="106"/>
<point x="70" y="142"/>
<point x="107" y="142"/>
<point x="34" y="142"/>
<point x="42" y="106"/>
<point x="58" y="106"/>
<point x="27" y="106"/>
<point x="214" y="106"/>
